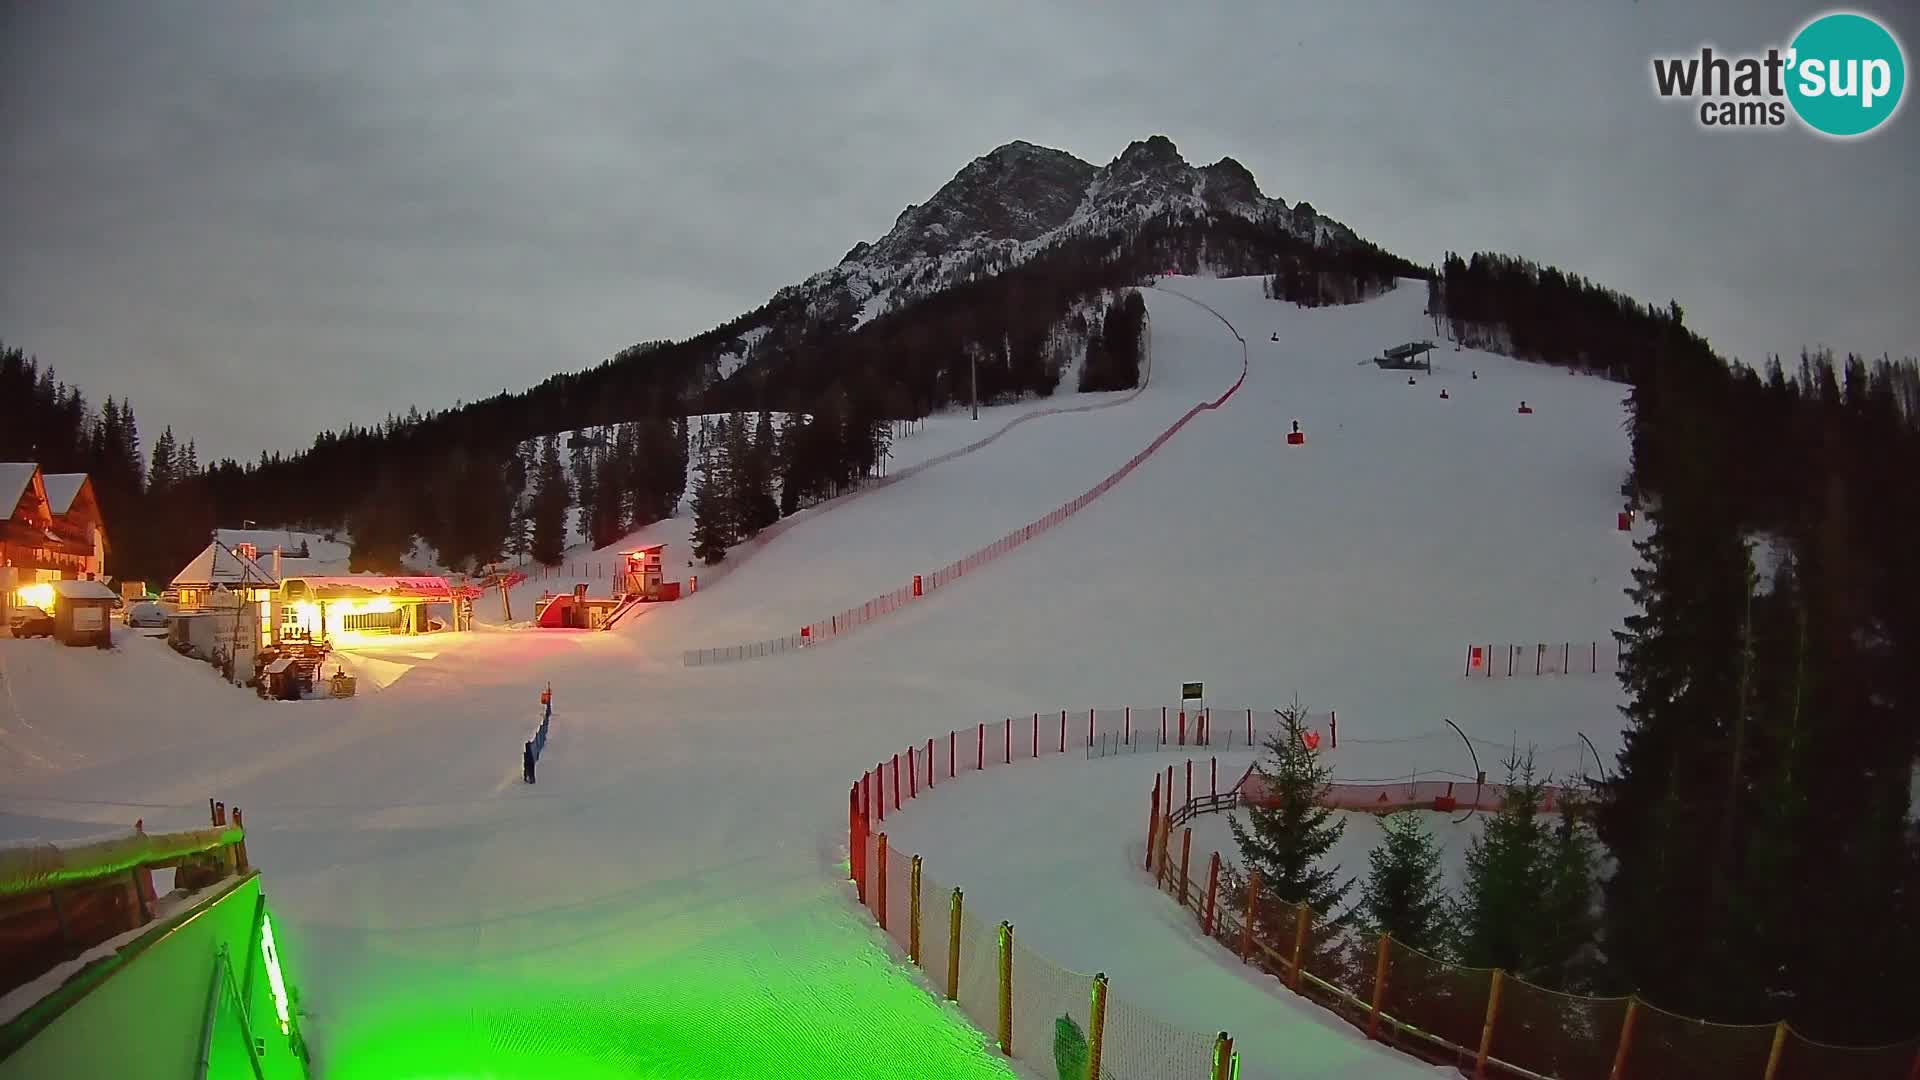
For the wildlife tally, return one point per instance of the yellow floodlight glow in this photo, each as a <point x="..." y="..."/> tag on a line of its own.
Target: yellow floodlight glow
<point x="39" y="595"/>
<point x="308" y="616"/>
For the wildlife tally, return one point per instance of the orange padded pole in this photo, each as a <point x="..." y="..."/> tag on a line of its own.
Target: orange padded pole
<point x="953" y="946"/>
<point x="1486" y="1032"/>
<point x="1097" y="1037"/>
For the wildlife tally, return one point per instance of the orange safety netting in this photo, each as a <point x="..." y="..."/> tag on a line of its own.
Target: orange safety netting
<point x="1802" y="1058"/>
<point x="1437" y="999"/>
<point x="1440" y="1011"/>
<point x="1667" y="1044"/>
<point x="1563" y="1035"/>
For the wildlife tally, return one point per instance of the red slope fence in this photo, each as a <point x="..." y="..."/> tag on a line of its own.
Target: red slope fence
<point x="1483" y="1021"/>
<point x="852" y="618"/>
<point x="745" y="550"/>
<point x="1008" y="990"/>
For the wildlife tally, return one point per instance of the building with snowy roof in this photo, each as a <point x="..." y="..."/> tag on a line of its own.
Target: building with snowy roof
<point x="50" y="530"/>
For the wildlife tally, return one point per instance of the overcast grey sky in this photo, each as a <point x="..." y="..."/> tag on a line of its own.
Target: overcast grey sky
<point x="260" y="220"/>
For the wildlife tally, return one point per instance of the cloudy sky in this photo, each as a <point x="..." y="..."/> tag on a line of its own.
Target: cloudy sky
<point x="260" y="220"/>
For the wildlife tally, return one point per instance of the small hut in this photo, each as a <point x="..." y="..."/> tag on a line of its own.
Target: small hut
<point x="83" y="612"/>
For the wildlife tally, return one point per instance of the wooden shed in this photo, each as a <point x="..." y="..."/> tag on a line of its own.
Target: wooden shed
<point x="83" y="612"/>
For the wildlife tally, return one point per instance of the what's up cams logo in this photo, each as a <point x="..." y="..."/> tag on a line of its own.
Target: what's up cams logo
<point x="1842" y="75"/>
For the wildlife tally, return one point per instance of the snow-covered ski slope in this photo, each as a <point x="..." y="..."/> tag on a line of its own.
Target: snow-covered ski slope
<point x="877" y="541"/>
<point x="667" y="900"/>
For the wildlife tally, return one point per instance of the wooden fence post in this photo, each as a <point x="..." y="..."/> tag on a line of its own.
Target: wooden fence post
<point x="1379" y="988"/>
<point x="1153" y="822"/>
<point x="1186" y="851"/>
<point x="1486" y="1031"/>
<point x="1097" y="1024"/>
<point x="1189" y="781"/>
<point x="1006" y="988"/>
<point x="1213" y="777"/>
<point x="1166" y="841"/>
<point x="953" y="740"/>
<point x="1246" y="928"/>
<point x="930" y="769"/>
<point x="1626" y="1040"/>
<point x="1302" y="916"/>
<point x="913" y="915"/>
<point x="880" y="889"/>
<point x="953" y="945"/>
<point x="1213" y="889"/>
<point x="1779" y="1047"/>
<point x="980" y="750"/>
<point x="896" y="781"/>
<point x="913" y="775"/>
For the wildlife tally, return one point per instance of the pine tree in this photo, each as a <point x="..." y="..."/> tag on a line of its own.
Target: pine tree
<point x="585" y="485"/>
<point x="550" y="501"/>
<point x="757" y="508"/>
<point x="675" y="487"/>
<point x="1497" y="914"/>
<point x="161" y="474"/>
<point x="1527" y="906"/>
<point x="1567" y="910"/>
<point x="1403" y="893"/>
<point x="1662" y="814"/>
<point x="1286" y="840"/>
<point x="712" y="525"/>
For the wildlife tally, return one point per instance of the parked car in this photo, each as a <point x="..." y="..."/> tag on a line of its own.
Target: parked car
<point x="146" y="613"/>
<point x="29" y="621"/>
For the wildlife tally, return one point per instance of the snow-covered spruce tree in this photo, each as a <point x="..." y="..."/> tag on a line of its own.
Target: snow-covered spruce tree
<point x="1286" y="840"/>
<point x="1402" y="894"/>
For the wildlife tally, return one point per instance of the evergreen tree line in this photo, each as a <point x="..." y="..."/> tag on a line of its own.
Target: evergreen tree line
<point x="1766" y="858"/>
<point x="752" y="475"/>
<point x="44" y="420"/>
<point x="476" y="507"/>
<point x="1325" y="283"/>
<point x="1113" y="353"/>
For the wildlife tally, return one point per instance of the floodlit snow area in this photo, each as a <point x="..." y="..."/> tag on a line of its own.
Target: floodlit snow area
<point x="669" y="898"/>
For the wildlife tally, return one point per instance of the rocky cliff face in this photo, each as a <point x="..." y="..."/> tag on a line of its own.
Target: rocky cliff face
<point x="1003" y="208"/>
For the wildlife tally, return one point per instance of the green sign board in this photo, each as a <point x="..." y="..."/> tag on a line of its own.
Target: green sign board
<point x="1189" y="691"/>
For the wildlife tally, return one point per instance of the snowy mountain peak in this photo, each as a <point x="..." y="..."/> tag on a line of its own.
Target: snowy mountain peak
<point x="1008" y="205"/>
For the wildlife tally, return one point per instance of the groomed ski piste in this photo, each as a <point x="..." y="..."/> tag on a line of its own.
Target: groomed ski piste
<point x="670" y="899"/>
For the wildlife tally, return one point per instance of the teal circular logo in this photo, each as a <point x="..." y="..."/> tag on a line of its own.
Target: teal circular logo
<point x="1846" y="74"/>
